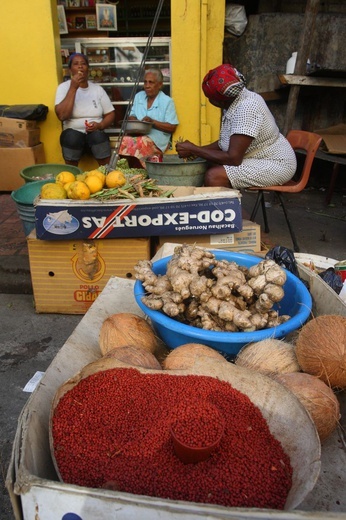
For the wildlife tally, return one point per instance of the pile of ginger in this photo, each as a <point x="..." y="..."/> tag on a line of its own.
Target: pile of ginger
<point x="212" y="294"/>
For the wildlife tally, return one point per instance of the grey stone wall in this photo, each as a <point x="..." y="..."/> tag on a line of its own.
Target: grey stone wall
<point x="261" y="54"/>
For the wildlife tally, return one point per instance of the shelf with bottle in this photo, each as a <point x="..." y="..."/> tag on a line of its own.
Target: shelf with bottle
<point x="109" y="75"/>
<point x="135" y="18"/>
<point x="78" y="4"/>
<point x="141" y="10"/>
<point x="80" y="18"/>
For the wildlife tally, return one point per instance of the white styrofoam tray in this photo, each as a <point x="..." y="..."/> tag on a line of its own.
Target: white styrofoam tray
<point x="318" y="261"/>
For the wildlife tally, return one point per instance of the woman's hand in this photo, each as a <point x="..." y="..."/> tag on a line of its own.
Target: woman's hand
<point x="107" y="121"/>
<point x="185" y="149"/>
<point x="78" y="79"/>
<point x="92" y="126"/>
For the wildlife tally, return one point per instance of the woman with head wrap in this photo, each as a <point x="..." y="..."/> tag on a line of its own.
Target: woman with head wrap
<point x="85" y="110"/>
<point x="250" y="150"/>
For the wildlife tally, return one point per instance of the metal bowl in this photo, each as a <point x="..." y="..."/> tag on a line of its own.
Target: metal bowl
<point x="174" y="171"/>
<point x="134" y="127"/>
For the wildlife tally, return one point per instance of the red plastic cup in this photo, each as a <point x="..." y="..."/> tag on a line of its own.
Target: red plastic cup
<point x="192" y="454"/>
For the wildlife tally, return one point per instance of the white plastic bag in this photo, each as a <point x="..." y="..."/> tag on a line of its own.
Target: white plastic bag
<point x="235" y="19"/>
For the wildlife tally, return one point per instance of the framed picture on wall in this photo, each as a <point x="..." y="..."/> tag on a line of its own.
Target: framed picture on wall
<point x="106" y="16"/>
<point x="90" y="21"/>
<point x="62" y="20"/>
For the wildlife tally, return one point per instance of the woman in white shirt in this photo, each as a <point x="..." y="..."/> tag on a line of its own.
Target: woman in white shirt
<point x="85" y="111"/>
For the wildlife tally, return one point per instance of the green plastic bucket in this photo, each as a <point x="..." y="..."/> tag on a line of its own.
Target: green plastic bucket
<point x="38" y="172"/>
<point x="24" y="198"/>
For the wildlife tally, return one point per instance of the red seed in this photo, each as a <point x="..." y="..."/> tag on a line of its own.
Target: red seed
<point x="114" y="426"/>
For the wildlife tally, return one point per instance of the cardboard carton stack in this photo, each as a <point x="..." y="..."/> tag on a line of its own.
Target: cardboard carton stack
<point x="334" y="139"/>
<point x="20" y="146"/>
<point x="248" y="240"/>
<point x="78" y="245"/>
<point x="68" y="275"/>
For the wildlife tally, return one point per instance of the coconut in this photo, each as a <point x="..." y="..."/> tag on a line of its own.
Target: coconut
<point x="318" y="399"/>
<point x="122" y="329"/>
<point x="321" y="349"/>
<point x="184" y="356"/>
<point x="269" y="357"/>
<point x="134" y="356"/>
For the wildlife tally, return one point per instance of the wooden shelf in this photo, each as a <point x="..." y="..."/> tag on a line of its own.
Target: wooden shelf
<point x="311" y="81"/>
<point x="89" y="9"/>
<point x="134" y="18"/>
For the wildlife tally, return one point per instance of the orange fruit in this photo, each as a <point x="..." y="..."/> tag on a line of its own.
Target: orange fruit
<point x="78" y="190"/>
<point x="96" y="173"/>
<point x="115" y="179"/>
<point x="94" y="183"/>
<point x="67" y="185"/>
<point x="53" y="191"/>
<point x="64" y="177"/>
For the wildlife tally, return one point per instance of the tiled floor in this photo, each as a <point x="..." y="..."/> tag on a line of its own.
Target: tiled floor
<point x="13" y="241"/>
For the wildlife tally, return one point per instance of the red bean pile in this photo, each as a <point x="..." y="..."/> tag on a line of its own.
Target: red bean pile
<point x="113" y="430"/>
<point x="199" y="424"/>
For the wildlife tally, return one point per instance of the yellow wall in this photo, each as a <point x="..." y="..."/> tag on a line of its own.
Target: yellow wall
<point x="31" y="64"/>
<point x="197" y="37"/>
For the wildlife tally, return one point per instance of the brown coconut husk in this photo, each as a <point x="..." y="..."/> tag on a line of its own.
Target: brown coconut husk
<point x="184" y="356"/>
<point x="134" y="356"/>
<point x="321" y="349"/>
<point x="269" y="356"/>
<point x="122" y="329"/>
<point x="318" y="399"/>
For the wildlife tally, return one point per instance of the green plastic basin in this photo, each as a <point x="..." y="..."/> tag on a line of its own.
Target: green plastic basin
<point x="38" y="172"/>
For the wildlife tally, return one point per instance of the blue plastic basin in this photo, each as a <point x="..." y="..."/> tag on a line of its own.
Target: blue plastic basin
<point x="297" y="303"/>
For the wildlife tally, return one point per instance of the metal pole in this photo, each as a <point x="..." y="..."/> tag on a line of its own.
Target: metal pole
<point x="114" y="159"/>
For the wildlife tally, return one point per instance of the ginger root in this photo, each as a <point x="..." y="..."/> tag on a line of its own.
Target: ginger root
<point x="212" y="294"/>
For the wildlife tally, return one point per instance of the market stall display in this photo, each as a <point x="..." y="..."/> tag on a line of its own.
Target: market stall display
<point x="35" y="464"/>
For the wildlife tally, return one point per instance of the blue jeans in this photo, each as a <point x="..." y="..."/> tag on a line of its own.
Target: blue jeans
<point x="74" y="144"/>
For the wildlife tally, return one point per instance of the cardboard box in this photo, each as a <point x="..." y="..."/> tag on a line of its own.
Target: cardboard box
<point x="8" y="124"/>
<point x="334" y="139"/>
<point x="13" y="160"/>
<point x="68" y="276"/>
<point x="246" y="241"/>
<point x="20" y="138"/>
<point x="191" y="211"/>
